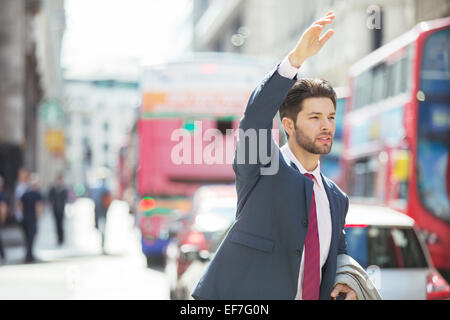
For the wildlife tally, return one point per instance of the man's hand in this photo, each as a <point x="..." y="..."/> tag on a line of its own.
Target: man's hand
<point x="342" y="288"/>
<point x="310" y="43"/>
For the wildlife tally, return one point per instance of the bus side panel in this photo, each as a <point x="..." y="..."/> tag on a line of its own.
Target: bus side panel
<point x="175" y="161"/>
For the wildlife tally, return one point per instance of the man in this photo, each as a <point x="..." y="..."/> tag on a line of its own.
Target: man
<point x="101" y="195"/>
<point x="289" y="226"/>
<point x="31" y="205"/>
<point x="58" y="198"/>
<point x="21" y="187"/>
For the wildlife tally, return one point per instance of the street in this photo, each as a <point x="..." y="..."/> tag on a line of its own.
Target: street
<point x="78" y="269"/>
<point x="267" y="149"/>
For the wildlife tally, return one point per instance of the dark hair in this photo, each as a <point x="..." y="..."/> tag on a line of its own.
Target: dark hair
<point x="303" y="89"/>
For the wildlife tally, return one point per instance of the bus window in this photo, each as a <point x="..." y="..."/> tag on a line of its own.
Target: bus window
<point x="434" y="126"/>
<point x="406" y="70"/>
<point x="390" y="80"/>
<point x="379" y="83"/>
<point x="363" y="85"/>
<point x="435" y="64"/>
<point x="363" y="174"/>
<point x="396" y="78"/>
<point x="433" y="157"/>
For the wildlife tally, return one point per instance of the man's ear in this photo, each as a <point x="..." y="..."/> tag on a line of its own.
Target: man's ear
<point x="288" y="125"/>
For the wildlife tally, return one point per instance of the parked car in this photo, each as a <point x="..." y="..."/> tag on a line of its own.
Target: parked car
<point x="386" y="243"/>
<point x="196" y="236"/>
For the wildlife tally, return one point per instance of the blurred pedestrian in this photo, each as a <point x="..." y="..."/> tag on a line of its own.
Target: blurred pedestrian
<point x="3" y="216"/>
<point x="57" y="197"/>
<point x="32" y="204"/>
<point x="101" y="195"/>
<point x="21" y="187"/>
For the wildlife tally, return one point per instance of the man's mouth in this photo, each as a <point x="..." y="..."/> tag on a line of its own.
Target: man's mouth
<point x="324" y="139"/>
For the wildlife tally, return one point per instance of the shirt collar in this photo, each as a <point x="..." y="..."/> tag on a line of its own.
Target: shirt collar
<point x="289" y="156"/>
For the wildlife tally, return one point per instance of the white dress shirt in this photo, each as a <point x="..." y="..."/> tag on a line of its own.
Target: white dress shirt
<point x="322" y="204"/>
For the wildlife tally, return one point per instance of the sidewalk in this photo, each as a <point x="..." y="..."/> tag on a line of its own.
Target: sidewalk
<point x="81" y="237"/>
<point x="78" y="269"/>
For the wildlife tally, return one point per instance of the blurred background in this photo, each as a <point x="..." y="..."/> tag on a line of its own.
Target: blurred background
<point x="117" y="136"/>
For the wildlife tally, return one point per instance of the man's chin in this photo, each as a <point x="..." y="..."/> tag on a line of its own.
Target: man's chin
<point x="323" y="150"/>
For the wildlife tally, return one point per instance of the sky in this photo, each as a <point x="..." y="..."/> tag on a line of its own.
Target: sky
<point x="110" y="36"/>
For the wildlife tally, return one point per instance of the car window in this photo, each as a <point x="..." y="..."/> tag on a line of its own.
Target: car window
<point x="227" y="213"/>
<point x="385" y="247"/>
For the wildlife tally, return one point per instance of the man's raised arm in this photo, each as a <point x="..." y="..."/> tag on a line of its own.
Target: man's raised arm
<point x="265" y="100"/>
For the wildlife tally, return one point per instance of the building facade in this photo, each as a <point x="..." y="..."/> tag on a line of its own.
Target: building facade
<point x="99" y="115"/>
<point x="31" y="34"/>
<point x="272" y="28"/>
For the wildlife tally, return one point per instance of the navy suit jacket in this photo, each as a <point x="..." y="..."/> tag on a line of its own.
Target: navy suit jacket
<point x="260" y="256"/>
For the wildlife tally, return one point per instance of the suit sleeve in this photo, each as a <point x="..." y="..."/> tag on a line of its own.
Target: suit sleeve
<point x="255" y="128"/>
<point x="342" y="249"/>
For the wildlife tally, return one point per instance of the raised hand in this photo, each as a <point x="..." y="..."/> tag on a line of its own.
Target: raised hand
<point x="310" y="42"/>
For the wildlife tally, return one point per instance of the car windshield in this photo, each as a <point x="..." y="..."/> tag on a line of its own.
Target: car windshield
<point x="227" y="213"/>
<point x="433" y="173"/>
<point x="385" y="247"/>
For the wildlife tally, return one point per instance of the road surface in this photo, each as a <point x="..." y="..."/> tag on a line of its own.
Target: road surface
<point x="79" y="269"/>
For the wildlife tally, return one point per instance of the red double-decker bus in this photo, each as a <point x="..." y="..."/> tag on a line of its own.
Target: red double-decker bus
<point x="397" y="136"/>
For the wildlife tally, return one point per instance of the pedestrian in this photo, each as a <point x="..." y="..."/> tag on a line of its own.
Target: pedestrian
<point x="21" y="187"/>
<point x="3" y="216"/>
<point x="57" y="197"/>
<point x="101" y="195"/>
<point x="290" y="218"/>
<point x="32" y="204"/>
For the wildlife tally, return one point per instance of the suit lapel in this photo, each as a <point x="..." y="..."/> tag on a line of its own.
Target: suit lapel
<point x="308" y="190"/>
<point x="334" y="210"/>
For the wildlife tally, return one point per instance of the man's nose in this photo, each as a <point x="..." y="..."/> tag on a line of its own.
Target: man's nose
<point x="326" y="125"/>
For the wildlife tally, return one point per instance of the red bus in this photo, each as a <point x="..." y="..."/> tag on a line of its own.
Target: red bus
<point x="331" y="163"/>
<point x="397" y="136"/>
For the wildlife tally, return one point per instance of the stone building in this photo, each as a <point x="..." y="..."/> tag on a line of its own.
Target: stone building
<point x="31" y="34"/>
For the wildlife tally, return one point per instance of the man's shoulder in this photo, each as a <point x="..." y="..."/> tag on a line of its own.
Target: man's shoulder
<point x="334" y="187"/>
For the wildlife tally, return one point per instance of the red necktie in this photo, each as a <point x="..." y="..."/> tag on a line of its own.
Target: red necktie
<point x="311" y="275"/>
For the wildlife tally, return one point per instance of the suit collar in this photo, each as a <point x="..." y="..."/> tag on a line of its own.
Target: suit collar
<point x="289" y="157"/>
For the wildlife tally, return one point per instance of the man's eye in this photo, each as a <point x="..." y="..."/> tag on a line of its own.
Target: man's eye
<point x="331" y="118"/>
<point x="314" y="118"/>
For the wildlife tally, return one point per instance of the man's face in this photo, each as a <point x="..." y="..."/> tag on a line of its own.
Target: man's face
<point x="315" y="126"/>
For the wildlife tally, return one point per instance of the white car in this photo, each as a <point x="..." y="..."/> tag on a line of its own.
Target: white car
<point x="386" y="244"/>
